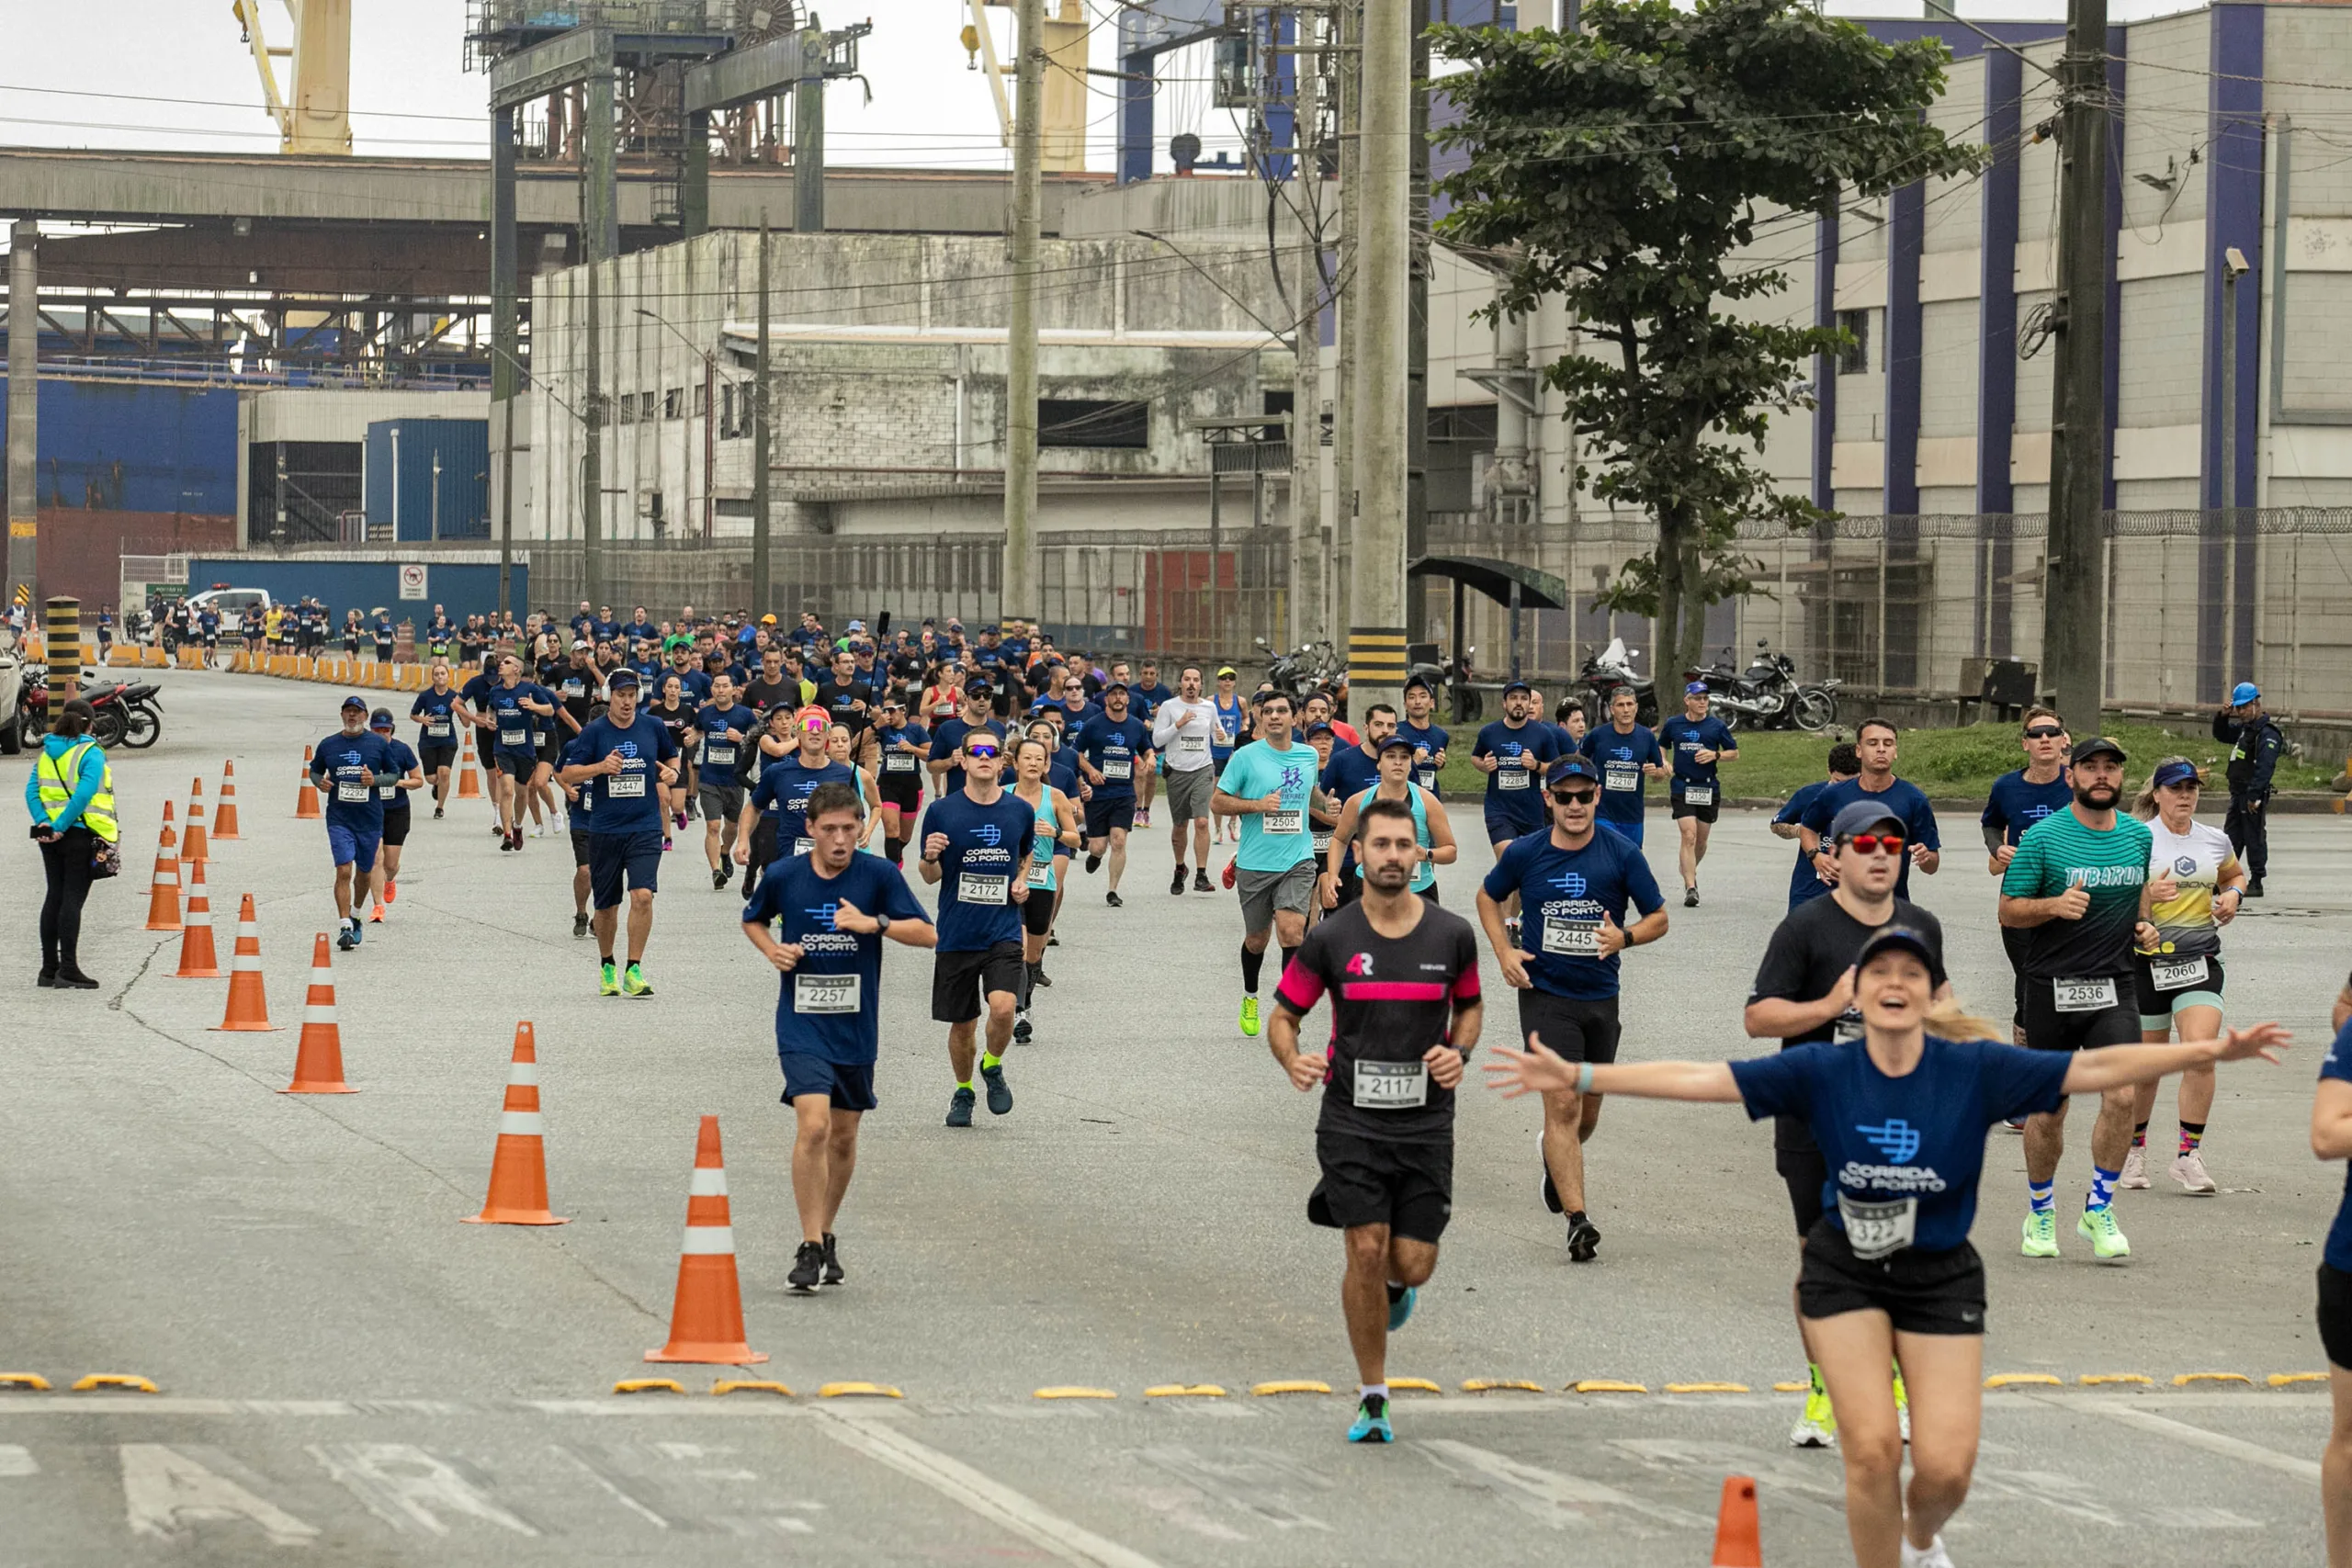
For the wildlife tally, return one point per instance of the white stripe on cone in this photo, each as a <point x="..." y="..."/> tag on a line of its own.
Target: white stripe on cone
<point x="245" y="961"/>
<point x="318" y="1012"/>
<point x="704" y="1240"/>
<point x="708" y="1183"/>
<point x="519" y="1123"/>
<point x="523" y="1073"/>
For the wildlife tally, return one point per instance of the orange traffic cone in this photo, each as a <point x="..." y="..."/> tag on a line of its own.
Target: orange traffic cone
<point x="248" y="1010"/>
<point x="305" y="804"/>
<point x="1736" y="1542"/>
<point x="197" y="959"/>
<point x="192" y="844"/>
<point x="164" y="892"/>
<point x="707" y="1315"/>
<point x="469" y="785"/>
<point x="518" y="1171"/>
<point x="224" y="818"/>
<point x="318" y="1057"/>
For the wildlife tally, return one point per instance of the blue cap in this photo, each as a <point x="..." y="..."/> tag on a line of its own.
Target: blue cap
<point x="1695" y="689"/>
<point x="624" y="676"/>
<point x="1860" y="817"/>
<point x="1574" y="766"/>
<point x="2174" y="772"/>
<point x="1517" y="686"/>
<point x="381" y="720"/>
<point x="2244" y="692"/>
<point x="355" y="701"/>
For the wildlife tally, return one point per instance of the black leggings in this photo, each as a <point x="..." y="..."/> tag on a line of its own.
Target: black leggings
<point x="65" y="860"/>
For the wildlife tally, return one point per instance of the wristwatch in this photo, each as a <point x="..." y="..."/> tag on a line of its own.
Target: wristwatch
<point x="881" y="925"/>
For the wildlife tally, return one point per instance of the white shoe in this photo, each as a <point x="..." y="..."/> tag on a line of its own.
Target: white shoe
<point x="2135" y="1169"/>
<point x="2188" y="1169"/>
<point x="539" y="829"/>
<point x="1934" y="1557"/>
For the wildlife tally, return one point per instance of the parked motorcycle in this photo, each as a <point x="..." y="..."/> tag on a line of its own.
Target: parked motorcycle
<point x="122" y="714"/>
<point x="1768" y="695"/>
<point x="1312" y="667"/>
<point x="1604" y="673"/>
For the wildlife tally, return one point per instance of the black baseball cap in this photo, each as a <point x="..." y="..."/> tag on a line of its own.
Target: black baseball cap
<point x="1576" y="766"/>
<point x="1904" y="939"/>
<point x="1517" y="686"/>
<point x="1397" y="743"/>
<point x="624" y="676"/>
<point x="2097" y="746"/>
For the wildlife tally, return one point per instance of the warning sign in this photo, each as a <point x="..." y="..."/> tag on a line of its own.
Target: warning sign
<point x="411" y="580"/>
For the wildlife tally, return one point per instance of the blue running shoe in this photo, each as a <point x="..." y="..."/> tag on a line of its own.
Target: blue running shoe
<point x="999" y="1094"/>
<point x="1400" y="1305"/>
<point x="1371" y="1424"/>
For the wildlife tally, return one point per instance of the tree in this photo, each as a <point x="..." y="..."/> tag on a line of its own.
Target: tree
<point x="1623" y="167"/>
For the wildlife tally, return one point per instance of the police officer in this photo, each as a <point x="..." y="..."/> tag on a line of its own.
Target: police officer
<point x="2255" y="743"/>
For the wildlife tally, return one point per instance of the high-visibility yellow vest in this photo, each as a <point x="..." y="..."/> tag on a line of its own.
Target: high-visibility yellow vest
<point x="58" y="775"/>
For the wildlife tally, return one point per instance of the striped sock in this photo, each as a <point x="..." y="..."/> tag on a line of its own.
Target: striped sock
<point x="2043" y="1195"/>
<point x="2102" y="1191"/>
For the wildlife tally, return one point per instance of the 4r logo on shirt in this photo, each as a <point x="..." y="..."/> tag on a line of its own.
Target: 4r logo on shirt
<point x="1895" y="1139"/>
<point x="1360" y="966"/>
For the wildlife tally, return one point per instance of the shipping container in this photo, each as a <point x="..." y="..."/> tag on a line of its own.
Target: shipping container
<point x="127" y="447"/>
<point x="428" y="478"/>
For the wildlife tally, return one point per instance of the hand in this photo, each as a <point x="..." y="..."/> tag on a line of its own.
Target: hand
<point x="2147" y="936"/>
<point x="1611" y="936"/>
<point x="787" y="954"/>
<point x="1703" y="756"/>
<point x="1537" y="1070"/>
<point x="2071" y="904"/>
<point x="2004" y="855"/>
<point x="1825" y="866"/>
<point x="2267" y="1041"/>
<point x="1307" y="1073"/>
<point x="867" y="924"/>
<point x="1271" y="803"/>
<point x="1018" y="891"/>
<point x="2225" y="913"/>
<point x="2254" y="805"/>
<point x="1919" y="853"/>
<point x="1514" y="967"/>
<point x="611" y="764"/>
<point x="1485" y="764"/>
<point x="935" y="845"/>
<point x="2163" y="890"/>
<point x="1841" y="995"/>
<point x="1421" y="753"/>
<point x="1445" y="1065"/>
<point x="743" y="850"/>
<point x="735" y="735"/>
<point x="1326" y="891"/>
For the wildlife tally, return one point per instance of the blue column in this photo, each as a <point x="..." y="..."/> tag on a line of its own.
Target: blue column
<point x="1906" y="230"/>
<point x="2234" y="218"/>
<point x="1996" y="350"/>
<point x="1824" y="365"/>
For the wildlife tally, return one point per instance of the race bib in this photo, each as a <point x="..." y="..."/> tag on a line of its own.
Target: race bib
<point x="1571" y="939"/>
<point x="1041" y="874"/>
<point x="2083" y="995"/>
<point x="803" y="846"/>
<point x="1322" y="844"/>
<point x="1510" y="778"/>
<point x="1621" y="775"/>
<point x="438" y="729"/>
<point x="511" y="737"/>
<point x="354" y="793"/>
<point x="1118" y="768"/>
<point x="1878" y="1230"/>
<point x="717" y="756"/>
<point x="971" y="887"/>
<point x="1698" y="795"/>
<point x="1191" y="745"/>
<point x="1282" y="821"/>
<point x="1391" y="1086"/>
<point x="391" y="793"/>
<point x="2178" y="974"/>
<point x="825" y="993"/>
<point x="899" y="763"/>
<point x="626" y="787"/>
<point x="1425" y="777"/>
<point x="1848" y="1028"/>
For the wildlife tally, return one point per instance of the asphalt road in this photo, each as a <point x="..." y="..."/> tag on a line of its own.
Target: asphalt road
<point x="346" y="1370"/>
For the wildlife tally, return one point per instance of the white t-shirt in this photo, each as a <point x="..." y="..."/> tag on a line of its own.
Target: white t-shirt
<point x="1182" y="733"/>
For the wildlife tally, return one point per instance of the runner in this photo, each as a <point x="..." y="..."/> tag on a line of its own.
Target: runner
<point x="973" y="847"/>
<point x="773" y="826"/>
<point x="2018" y="800"/>
<point x="1697" y="742"/>
<point x="575" y="818"/>
<point x="350" y="767"/>
<point x="2254" y="744"/>
<point x="974" y="712"/>
<point x="1512" y="752"/>
<point x="841" y="746"/>
<point x="439" y="711"/>
<point x="396" y="812"/>
<point x="1113" y="747"/>
<point x="1183" y="733"/>
<point x="904" y="748"/>
<point x="833" y="907"/>
<point x="1888" y="1274"/>
<point x="1629" y="756"/>
<point x="1804" y="881"/>
<point x="1874" y="748"/>
<point x="510" y="705"/>
<point x="1569" y="718"/>
<point x="724" y="729"/>
<point x="1352" y="770"/>
<point x="1058" y="830"/>
<point x="1323" y="814"/>
<point x="1400" y="756"/>
<point x="1402" y="974"/>
<point x="2195" y="887"/>
<point x="2074" y="887"/>
<point x="621" y="762"/>
<point x="1270" y="786"/>
<point x="1148" y="691"/>
<point x="2332" y="1140"/>
<point x="1804" y="993"/>
<point x="671" y="709"/>
<point x="1576" y="884"/>
<point x="1232" y="720"/>
<point x="1422" y="728"/>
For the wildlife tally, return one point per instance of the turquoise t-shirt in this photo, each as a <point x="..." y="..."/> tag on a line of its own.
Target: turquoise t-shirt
<point x="1274" y="840"/>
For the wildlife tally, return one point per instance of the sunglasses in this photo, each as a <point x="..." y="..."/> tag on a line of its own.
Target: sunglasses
<point x="2044" y="732"/>
<point x="1878" y="843"/>
<point x="1576" y="796"/>
<point x="978" y="752"/>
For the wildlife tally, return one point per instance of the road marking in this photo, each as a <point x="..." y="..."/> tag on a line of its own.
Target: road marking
<point x="405" y="1486"/>
<point x="1548" y="1497"/>
<point x="989" y="1498"/>
<point x="2211" y="1443"/>
<point x="612" y="1488"/>
<point x="16" y="1460"/>
<point x="165" y="1493"/>
<point x="1257" y="1483"/>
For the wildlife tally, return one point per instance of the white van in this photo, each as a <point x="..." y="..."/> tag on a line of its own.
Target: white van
<point x="233" y="605"/>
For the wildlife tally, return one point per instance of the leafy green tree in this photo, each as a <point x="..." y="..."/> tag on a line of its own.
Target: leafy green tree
<point x="1623" y="167"/>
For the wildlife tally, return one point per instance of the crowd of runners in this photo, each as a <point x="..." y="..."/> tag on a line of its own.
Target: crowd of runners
<point x="1014" y="773"/>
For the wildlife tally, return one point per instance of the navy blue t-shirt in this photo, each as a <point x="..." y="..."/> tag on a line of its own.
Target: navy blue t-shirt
<point x="1562" y="895"/>
<point x="1116" y="747"/>
<point x="345" y="767"/>
<point x="512" y="723"/>
<point x="783" y="792"/>
<point x="1804" y="881"/>
<point x="1430" y="737"/>
<point x="905" y="766"/>
<point x="403" y="762"/>
<point x="1515" y="790"/>
<point x="2016" y="805"/>
<point x="1350" y="773"/>
<point x="722" y="760"/>
<point x="630" y="800"/>
<point x="1901" y="798"/>
<point x="431" y="709"/>
<point x="1920" y="1136"/>
<point x="1683" y="738"/>
<point x="1622" y="758"/>
<point x="947" y="740"/>
<point x="829" y="1005"/>
<point x="2337" y="1063"/>
<point x="983" y="862"/>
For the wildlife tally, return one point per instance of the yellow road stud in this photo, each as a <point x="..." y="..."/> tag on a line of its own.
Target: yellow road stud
<point x="749" y="1385"/>
<point x="2282" y="1380"/>
<point x="1296" y="1385"/>
<point x="1497" y="1385"/>
<point x="1707" y="1388"/>
<point x="648" y="1385"/>
<point x="1413" y="1385"/>
<point x="114" y="1379"/>
<point x="32" y="1381"/>
<point x="1605" y="1385"/>
<point x="2184" y="1378"/>
<point x="1073" y="1392"/>
<point x="2023" y="1380"/>
<point x="859" y="1390"/>
<point x="1791" y="1388"/>
<point x="1184" y="1391"/>
<point x="2100" y="1380"/>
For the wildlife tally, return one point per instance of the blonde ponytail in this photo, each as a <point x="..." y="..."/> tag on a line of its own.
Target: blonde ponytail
<point x="1947" y="1021"/>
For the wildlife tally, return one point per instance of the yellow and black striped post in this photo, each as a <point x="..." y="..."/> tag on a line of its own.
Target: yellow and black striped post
<point x="1377" y="665"/>
<point x="65" y="646"/>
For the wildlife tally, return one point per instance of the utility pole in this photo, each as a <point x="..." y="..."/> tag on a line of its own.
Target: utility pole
<point x="505" y="339"/>
<point x="1382" y="287"/>
<point x="1018" y="598"/>
<point x="24" y="410"/>
<point x="1346" y="75"/>
<point x="591" y="484"/>
<point x="1309" y="615"/>
<point x="760" y="581"/>
<point x="1417" y="329"/>
<point x="809" y="136"/>
<point x="2074" y="617"/>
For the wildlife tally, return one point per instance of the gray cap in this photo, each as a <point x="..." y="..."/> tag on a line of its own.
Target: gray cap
<point x="1860" y="817"/>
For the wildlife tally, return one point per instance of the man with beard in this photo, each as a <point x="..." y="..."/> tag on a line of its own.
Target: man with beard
<point x="2074" y="888"/>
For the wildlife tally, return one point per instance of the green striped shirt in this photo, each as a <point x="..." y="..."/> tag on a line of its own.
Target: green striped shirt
<point x="2058" y="853"/>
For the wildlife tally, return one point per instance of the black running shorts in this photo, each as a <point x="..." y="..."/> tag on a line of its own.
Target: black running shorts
<point x="1372" y="1182"/>
<point x="960" y="982"/>
<point x="1921" y="1292"/>
<point x="2047" y="1028"/>
<point x="1578" y="1031"/>
<point x="2335" y="1316"/>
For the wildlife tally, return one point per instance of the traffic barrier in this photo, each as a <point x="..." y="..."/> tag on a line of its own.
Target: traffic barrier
<point x="518" y="1171"/>
<point x="248" y="1009"/>
<point x="198" y="961"/>
<point x="132" y="1382"/>
<point x="1738" y="1545"/>
<point x="224" y="818"/>
<point x="706" y="1314"/>
<point x="724" y="1386"/>
<point x="469" y="782"/>
<point x="318" y="1056"/>
<point x="192" y="844"/>
<point x="32" y="1381"/>
<point x="306" y="803"/>
<point x="163" y="889"/>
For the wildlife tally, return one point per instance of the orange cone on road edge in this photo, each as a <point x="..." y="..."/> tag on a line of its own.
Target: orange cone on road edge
<point x="706" y="1316"/>
<point x="518" y="1172"/>
<point x="225" y="816"/>
<point x="318" y="1056"/>
<point x="468" y="786"/>
<point x="305" y="804"/>
<point x="192" y="844"/>
<point x="198" y="961"/>
<point x="248" y="1009"/>
<point x="163" y="891"/>
<point x="1736" y="1543"/>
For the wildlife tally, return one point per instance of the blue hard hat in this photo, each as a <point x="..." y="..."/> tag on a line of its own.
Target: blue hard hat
<point x="2244" y="692"/>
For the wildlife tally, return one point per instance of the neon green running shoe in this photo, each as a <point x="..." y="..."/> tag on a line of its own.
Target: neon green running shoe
<point x="1250" y="1016"/>
<point x="633" y="982"/>
<point x="610" y="983"/>
<point x="2041" y="1233"/>
<point x="1902" y="1407"/>
<point x="1817" y="1428"/>
<point x="2105" y="1235"/>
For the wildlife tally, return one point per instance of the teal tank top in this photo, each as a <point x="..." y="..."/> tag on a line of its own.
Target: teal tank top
<point x="1046" y="843"/>
<point x="1424" y="875"/>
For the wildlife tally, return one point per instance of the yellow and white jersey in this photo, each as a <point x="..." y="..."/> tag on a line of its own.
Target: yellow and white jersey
<point x="2196" y="862"/>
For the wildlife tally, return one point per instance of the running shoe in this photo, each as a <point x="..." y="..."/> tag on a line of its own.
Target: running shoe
<point x="2014" y="1125"/>
<point x="1114" y="899"/>
<point x="1817" y="1428"/>
<point x="579" y="924"/>
<point x="999" y="1093"/>
<point x="2135" y="1169"/>
<point x="2188" y="1169"/>
<point x="959" y="1109"/>
<point x="2254" y="888"/>
<point x="1934" y="1557"/>
<point x="505" y="841"/>
<point x="1022" y="1032"/>
<point x="539" y="829"/>
<point x="1143" y="818"/>
<point x="356" y="932"/>
<point x="1200" y="880"/>
<point x="2041" y="1233"/>
<point x="1177" y="886"/>
<point x="1093" y="864"/>
<point x="1250" y="1016"/>
<point x="808" y="1268"/>
<point x="1584" y="1240"/>
<point x="1400" y="1305"/>
<point x="2098" y="1228"/>
<point x="1042" y="978"/>
<point x="1370" y="1424"/>
<point x="665" y="843"/>
<point x="609" y="981"/>
<point x="1230" y="867"/>
<point x="391" y="891"/>
<point x="633" y="982"/>
<point x="349" y="937"/>
<point x="376" y="916"/>
<point x="436" y="814"/>
<point x="718" y="881"/>
<point x="1902" y="1407"/>
<point x="833" y="1275"/>
<point x="1690" y="898"/>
